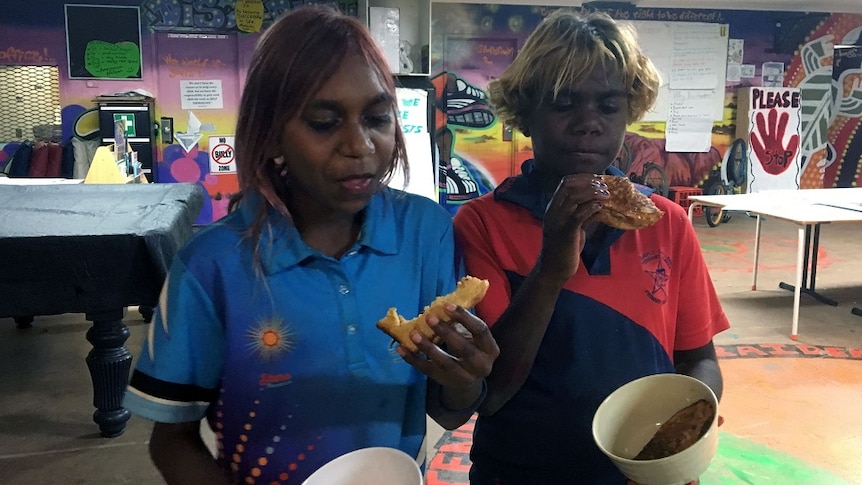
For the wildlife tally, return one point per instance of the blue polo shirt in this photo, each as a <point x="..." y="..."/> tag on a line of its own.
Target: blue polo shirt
<point x="286" y="363"/>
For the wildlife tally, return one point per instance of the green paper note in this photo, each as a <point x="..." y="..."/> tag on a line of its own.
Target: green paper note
<point x="112" y="61"/>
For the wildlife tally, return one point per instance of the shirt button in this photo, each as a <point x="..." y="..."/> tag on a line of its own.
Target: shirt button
<point x="352" y="253"/>
<point x="343" y="289"/>
<point x="351" y="329"/>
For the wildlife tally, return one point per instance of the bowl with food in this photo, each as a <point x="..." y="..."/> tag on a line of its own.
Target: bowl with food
<point x="660" y="429"/>
<point x="369" y="466"/>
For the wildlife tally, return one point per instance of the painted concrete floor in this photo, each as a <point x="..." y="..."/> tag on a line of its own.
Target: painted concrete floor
<point x="791" y="408"/>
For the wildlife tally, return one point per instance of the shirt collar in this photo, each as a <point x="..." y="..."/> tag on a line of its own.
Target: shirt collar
<point x="282" y="247"/>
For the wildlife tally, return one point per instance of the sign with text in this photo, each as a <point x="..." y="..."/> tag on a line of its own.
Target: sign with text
<point x="201" y="94"/>
<point x="774" y="125"/>
<point x="413" y="110"/>
<point x="413" y="115"/>
<point x="222" y="154"/>
<point x="249" y="15"/>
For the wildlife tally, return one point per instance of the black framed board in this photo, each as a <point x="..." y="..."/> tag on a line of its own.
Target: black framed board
<point x="103" y="42"/>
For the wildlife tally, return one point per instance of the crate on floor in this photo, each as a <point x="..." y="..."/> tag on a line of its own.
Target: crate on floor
<point x="680" y="195"/>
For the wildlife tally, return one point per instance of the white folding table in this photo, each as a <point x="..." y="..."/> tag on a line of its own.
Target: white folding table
<point x="808" y="209"/>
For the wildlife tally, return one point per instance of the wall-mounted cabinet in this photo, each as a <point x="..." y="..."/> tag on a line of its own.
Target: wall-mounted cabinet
<point x="400" y="24"/>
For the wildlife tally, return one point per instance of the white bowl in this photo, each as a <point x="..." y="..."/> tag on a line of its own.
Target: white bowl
<point x="629" y="417"/>
<point x="369" y="466"/>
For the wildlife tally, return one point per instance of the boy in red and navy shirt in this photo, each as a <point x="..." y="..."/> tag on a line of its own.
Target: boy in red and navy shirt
<point x="636" y="298"/>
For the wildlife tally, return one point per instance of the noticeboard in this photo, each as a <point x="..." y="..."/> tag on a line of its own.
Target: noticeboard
<point x="103" y="42"/>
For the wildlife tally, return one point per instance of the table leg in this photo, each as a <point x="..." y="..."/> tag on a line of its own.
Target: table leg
<point x="24" y="322"/>
<point x="756" y="252"/>
<point x="691" y="211"/>
<point x="797" y="291"/>
<point x="815" y="248"/>
<point x="809" y="267"/>
<point x="109" y="362"/>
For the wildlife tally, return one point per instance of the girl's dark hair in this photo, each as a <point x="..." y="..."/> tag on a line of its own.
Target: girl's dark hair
<point x="294" y="57"/>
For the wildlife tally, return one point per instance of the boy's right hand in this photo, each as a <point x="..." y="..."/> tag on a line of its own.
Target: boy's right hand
<point x="575" y="200"/>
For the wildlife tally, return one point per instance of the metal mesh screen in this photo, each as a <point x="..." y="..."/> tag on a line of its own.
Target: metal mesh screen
<point x="29" y="103"/>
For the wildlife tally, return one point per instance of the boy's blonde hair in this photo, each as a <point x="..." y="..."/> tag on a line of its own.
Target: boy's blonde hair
<point x="565" y="47"/>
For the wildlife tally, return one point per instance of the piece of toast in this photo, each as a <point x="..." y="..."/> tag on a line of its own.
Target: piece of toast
<point x="468" y="292"/>
<point x="627" y="208"/>
<point x="680" y="431"/>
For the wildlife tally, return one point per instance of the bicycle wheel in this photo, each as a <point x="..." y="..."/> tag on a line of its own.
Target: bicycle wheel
<point x="725" y="216"/>
<point x="737" y="162"/>
<point x="714" y="215"/>
<point x="654" y="176"/>
<point x="623" y="161"/>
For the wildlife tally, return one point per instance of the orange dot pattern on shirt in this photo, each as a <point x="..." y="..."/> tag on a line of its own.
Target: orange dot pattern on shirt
<point x="218" y="426"/>
<point x="269" y="339"/>
<point x="292" y="466"/>
<point x="237" y="456"/>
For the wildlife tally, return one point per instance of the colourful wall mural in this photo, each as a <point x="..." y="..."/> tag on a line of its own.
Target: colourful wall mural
<point x="473" y="43"/>
<point x="188" y="40"/>
<point x="195" y="56"/>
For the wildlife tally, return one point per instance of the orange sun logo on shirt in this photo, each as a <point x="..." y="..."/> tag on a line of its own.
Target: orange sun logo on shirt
<point x="270" y="338"/>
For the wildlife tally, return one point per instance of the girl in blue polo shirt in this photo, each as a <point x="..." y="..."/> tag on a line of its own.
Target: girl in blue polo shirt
<point x="266" y="324"/>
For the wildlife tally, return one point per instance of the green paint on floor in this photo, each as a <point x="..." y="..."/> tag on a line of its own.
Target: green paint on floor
<point x="741" y="461"/>
<point x="714" y="248"/>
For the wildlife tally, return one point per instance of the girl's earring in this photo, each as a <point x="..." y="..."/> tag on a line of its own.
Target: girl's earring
<point x="279" y="161"/>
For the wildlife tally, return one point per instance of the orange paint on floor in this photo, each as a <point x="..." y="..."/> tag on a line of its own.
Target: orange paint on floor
<point x="801" y="406"/>
<point x="805" y="407"/>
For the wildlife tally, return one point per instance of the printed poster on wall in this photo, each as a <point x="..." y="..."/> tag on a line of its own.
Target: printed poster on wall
<point x="413" y="114"/>
<point x="774" y="121"/>
<point x="201" y="94"/>
<point x="222" y="154"/>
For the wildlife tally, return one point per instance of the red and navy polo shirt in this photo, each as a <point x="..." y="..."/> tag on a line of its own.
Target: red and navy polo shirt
<point x="636" y="297"/>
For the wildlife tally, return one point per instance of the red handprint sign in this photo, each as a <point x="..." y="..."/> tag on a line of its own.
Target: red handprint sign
<point x="774" y="156"/>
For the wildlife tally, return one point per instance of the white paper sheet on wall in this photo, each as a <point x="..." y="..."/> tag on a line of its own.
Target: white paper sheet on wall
<point x="735" y="50"/>
<point x="689" y="120"/>
<point x="688" y="135"/>
<point x="653" y="38"/>
<point x="688" y="55"/>
<point x="691" y="103"/>
<point x="695" y="48"/>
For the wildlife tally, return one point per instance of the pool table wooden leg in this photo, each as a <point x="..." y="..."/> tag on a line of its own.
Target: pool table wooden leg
<point x="24" y="322"/>
<point x="109" y="362"/>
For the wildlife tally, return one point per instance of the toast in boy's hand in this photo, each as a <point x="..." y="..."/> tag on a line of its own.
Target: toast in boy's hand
<point x="627" y="208"/>
<point x="467" y="294"/>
